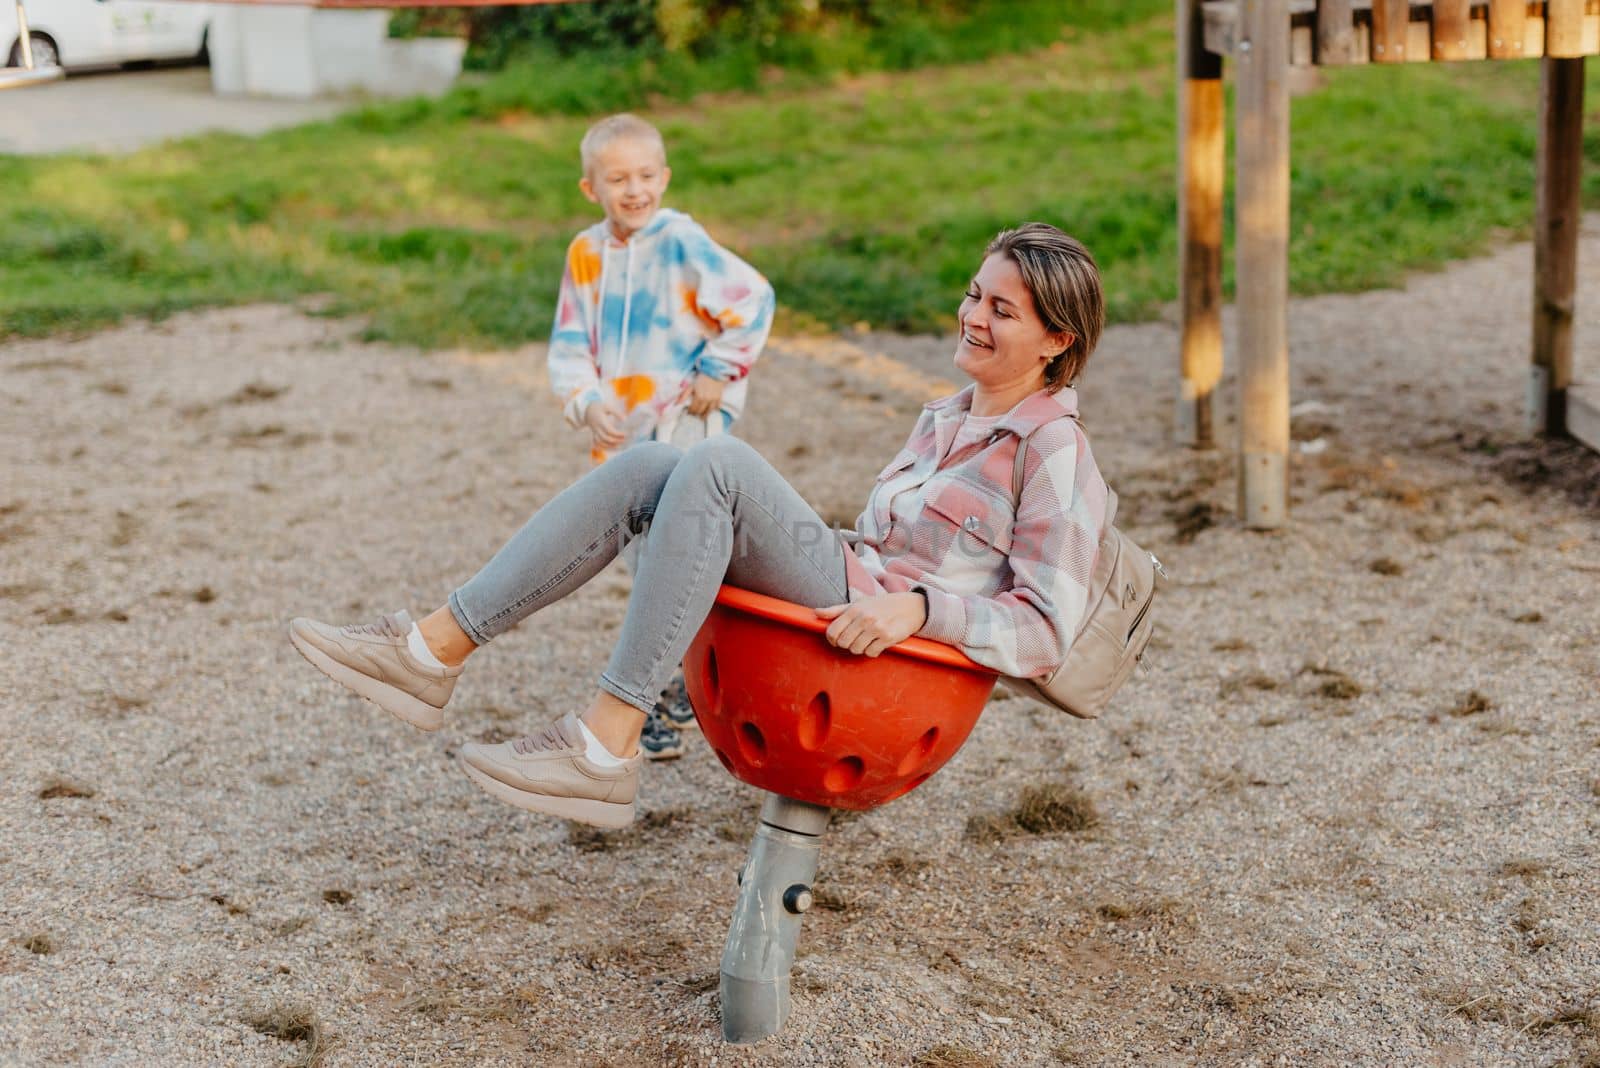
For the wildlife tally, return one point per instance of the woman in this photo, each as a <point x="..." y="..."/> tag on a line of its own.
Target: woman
<point x="945" y="551"/>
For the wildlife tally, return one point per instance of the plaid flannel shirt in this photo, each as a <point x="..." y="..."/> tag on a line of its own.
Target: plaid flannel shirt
<point x="1007" y="582"/>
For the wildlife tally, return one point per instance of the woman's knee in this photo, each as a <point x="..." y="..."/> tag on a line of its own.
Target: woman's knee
<point x="652" y="462"/>
<point x="721" y="455"/>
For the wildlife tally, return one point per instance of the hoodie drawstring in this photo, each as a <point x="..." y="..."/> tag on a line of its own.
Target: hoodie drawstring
<point x="627" y="304"/>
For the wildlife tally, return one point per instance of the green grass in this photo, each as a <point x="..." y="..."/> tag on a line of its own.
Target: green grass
<point x="863" y="198"/>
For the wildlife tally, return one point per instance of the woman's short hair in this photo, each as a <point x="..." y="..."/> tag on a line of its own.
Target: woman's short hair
<point x="1065" y="284"/>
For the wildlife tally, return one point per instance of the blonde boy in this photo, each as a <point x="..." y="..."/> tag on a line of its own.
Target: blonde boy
<point x="657" y="325"/>
<point x="656" y="328"/>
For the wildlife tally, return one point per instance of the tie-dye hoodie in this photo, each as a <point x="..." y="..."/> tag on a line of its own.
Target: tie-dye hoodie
<point x="637" y="320"/>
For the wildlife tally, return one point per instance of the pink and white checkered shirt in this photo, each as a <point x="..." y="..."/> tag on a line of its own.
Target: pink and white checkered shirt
<point x="1007" y="584"/>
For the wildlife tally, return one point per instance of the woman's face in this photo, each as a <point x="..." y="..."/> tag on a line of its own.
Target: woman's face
<point x="1003" y="341"/>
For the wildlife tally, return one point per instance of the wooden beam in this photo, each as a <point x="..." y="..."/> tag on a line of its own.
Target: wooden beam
<point x="1336" y="32"/>
<point x="1201" y="169"/>
<point x="1451" y="19"/>
<point x="1262" y="238"/>
<point x="1555" y="240"/>
<point x="1389" y="27"/>
<point x="1508" y="21"/>
<point x="1563" y="28"/>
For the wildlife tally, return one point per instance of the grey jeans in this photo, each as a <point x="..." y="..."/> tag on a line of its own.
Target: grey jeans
<point x="716" y="513"/>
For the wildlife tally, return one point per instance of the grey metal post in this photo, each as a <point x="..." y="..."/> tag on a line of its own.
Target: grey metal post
<point x="774" y="892"/>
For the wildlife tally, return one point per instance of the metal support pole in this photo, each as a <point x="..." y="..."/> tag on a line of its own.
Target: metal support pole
<point x="774" y="892"/>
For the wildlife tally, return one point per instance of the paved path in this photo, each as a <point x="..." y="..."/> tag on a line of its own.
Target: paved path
<point x="120" y="111"/>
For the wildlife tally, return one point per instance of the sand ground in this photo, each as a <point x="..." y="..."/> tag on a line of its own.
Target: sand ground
<point x="1349" y="816"/>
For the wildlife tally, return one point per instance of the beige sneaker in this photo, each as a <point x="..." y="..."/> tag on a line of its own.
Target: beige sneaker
<point x="374" y="662"/>
<point x="548" y="772"/>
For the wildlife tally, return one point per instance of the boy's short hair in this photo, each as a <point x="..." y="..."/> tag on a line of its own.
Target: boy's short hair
<point x="622" y="127"/>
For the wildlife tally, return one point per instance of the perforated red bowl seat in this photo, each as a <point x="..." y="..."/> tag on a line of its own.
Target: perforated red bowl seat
<point x="787" y="712"/>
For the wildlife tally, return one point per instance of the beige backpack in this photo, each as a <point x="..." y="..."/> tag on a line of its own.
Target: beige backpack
<point x="1115" y="629"/>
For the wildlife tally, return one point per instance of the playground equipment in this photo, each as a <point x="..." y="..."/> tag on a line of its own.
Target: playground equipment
<point x="818" y="729"/>
<point x="1266" y="37"/>
<point x="27" y="74"/>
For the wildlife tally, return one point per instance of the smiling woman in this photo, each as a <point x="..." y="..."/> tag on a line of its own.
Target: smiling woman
<point x="955" y="545"/>
<point x="1031" y="316"/>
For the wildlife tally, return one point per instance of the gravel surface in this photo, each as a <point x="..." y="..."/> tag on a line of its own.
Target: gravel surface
<point x="1347" y="817"/>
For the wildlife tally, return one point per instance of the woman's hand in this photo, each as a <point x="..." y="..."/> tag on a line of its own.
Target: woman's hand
<point x="869" y="627"/>
<point x="705" y="396"/>
<point x="604" y="421"/>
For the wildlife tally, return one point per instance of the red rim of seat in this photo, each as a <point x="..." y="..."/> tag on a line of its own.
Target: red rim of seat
<point x="803" y="618"/>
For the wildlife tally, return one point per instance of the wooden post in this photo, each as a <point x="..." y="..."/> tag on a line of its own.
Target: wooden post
<point x="1452" y="23"/>
<point x="1261" y="234"/>
<point x="1336" y="32"/>
<point x="1563" y="28"/>
<point x="1201" y="164"/>
<point x="1508" y="20"/>
<point x="1390" y="21"/>
<point x="1555" y="241"/>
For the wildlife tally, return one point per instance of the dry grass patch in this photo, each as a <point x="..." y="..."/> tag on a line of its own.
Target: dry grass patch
<point x="830" y="900"/>
<point x="39" y="943"/>
<point x="1524" y="867"/>
<point x="1148" y="909"/>
<point x="436" y="1005"/>
<point x="1470" y="705"/>
<point x="59" y="786"/>
<point x="1582" y="1015"/>
<point x="255" y="392"/>
<point x="1532" y="919"/>
<point x="1239" y="683"/>
<point x="337" y="896"/>
<point x="948" y="1056"/>
<point x="1188" y="523"/>
<point x="903" y="865"/>
<point x="1336" y="685"/>
<point x="1048" y="808"/>
<point x="638" y="834"/>
<point x="1344" y="689"/>
<point x="229" y="905"/>
<point x="294" y="1023"/>
<point x="125" y="530"/>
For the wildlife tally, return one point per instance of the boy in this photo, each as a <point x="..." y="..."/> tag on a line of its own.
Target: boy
<point x="656" y="328"/>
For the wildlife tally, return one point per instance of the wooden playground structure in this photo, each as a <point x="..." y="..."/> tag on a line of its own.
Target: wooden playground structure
<point x="1265" y="38"/>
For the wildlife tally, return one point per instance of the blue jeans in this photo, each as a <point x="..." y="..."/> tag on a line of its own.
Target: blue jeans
<point x="716" y="513"/>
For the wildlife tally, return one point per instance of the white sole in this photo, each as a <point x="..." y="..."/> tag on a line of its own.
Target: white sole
<point x="397" y="703"/>
<point x="582" y="810"/>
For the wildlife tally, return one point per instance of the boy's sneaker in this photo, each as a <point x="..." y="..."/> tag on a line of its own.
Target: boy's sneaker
<point x="548" y="772"/>
<point x="373" y="661"/>
<point x="674" y="705"/>
<point x="659" y="741"/>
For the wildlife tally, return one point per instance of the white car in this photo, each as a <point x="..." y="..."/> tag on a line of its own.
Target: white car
<point x="101" y="33"/>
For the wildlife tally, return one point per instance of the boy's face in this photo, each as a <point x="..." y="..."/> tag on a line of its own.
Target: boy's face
<point x="627" y="180"/>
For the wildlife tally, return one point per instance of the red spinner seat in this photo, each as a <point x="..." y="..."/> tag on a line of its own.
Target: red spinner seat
<point x="789" y="713"/>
